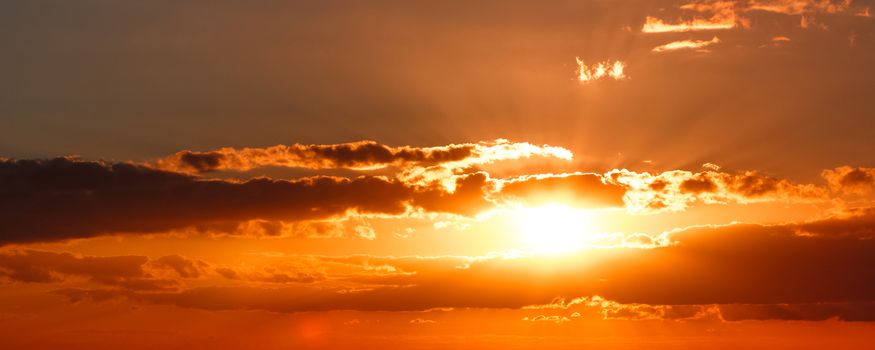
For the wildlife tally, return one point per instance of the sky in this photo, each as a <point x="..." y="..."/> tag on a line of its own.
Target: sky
<point x="437" y="175"/>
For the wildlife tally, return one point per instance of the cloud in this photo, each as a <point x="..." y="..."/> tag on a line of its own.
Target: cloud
<point x="676" y="190"/>
<point x="360" y="155"/>
<point x="422" y="321"/>
<point x="65" y="198"/>
<point x="580" y="189"/>
<point x="710" y="265"/>
<point x="852" y="311"/>
<point x="600" y="70"/>
<point x="345" y="227"/>
<point x="468" y="197"/>
<point x="548" y="318"/>
<point x="857" y="222"/>
<point x="128" y="272"/>
<point x="850" y="180"/>
<point x="798" y="7"/>
<point x="269" y="275"/>
<point x="728" y="14"/>
<point x="184" y="267"/>
<point x="698" y="45"/>
<point x="722" y="16"/>
<point x="656" y="25"/>
<point x="597" y="306"/>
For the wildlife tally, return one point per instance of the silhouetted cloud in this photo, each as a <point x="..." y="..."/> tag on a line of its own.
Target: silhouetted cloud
<point x="355" y="155"/>
<point x="65" y="198"/>
<point x="129" y="272"/>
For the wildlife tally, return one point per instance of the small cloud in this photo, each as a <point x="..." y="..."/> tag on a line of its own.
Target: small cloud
<point x="656" y="25"/>
<point x="711" y="166"/>
<point x="697" y="45"/>
<point x="548" y="318"/>
<point x="422" y="321"/>
<point x="600" y="70"/>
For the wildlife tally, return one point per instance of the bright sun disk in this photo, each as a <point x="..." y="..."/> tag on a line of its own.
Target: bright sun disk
<point x="553" y="228"/>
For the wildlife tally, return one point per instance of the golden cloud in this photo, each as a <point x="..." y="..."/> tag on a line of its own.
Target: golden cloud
<point x="698" y="45"/>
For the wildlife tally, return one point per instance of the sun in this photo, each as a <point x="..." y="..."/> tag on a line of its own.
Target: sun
<point x="553" y="228"/>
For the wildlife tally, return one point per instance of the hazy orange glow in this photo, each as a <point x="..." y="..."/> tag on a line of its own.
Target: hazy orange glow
<point x="437" y="175"/>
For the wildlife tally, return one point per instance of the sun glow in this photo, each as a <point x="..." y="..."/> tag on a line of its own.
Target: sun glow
<point x="553" y="228"/>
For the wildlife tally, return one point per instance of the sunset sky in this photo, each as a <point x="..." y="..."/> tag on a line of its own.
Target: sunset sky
<point x="607" y="174"/>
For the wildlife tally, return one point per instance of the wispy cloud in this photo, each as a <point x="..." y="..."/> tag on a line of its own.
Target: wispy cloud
<point x="729" y="14"/>
<point x="656" y="25"/>
<point x="362" y="155"/>
<point x="697" y="45"/>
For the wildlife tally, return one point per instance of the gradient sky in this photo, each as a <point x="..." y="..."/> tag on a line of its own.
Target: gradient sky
<point x="431" y="175"/>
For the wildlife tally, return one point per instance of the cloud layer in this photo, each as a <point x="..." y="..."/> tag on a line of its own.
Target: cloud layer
<point x="821" y="269"/>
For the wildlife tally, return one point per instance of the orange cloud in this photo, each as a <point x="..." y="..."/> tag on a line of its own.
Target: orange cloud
<point x="797" y="7"/>
<point x="850" y="180"/>
<point x="718" y="22"/>
<point x="728" y="14"/>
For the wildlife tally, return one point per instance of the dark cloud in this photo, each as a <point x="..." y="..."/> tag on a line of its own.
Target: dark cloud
<point x="64" y="198"/>
<point x="859" y="311"/>
<point x="184" y="267"/>
<point x="698" y="185"/>
<point x="858" y="222"/>
<point x="355" y="155"/>
<point x="199" y="161"/>
<point x="128" y="272"/>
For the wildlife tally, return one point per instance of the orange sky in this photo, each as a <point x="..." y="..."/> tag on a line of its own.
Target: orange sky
<point x="453" y="175"/>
